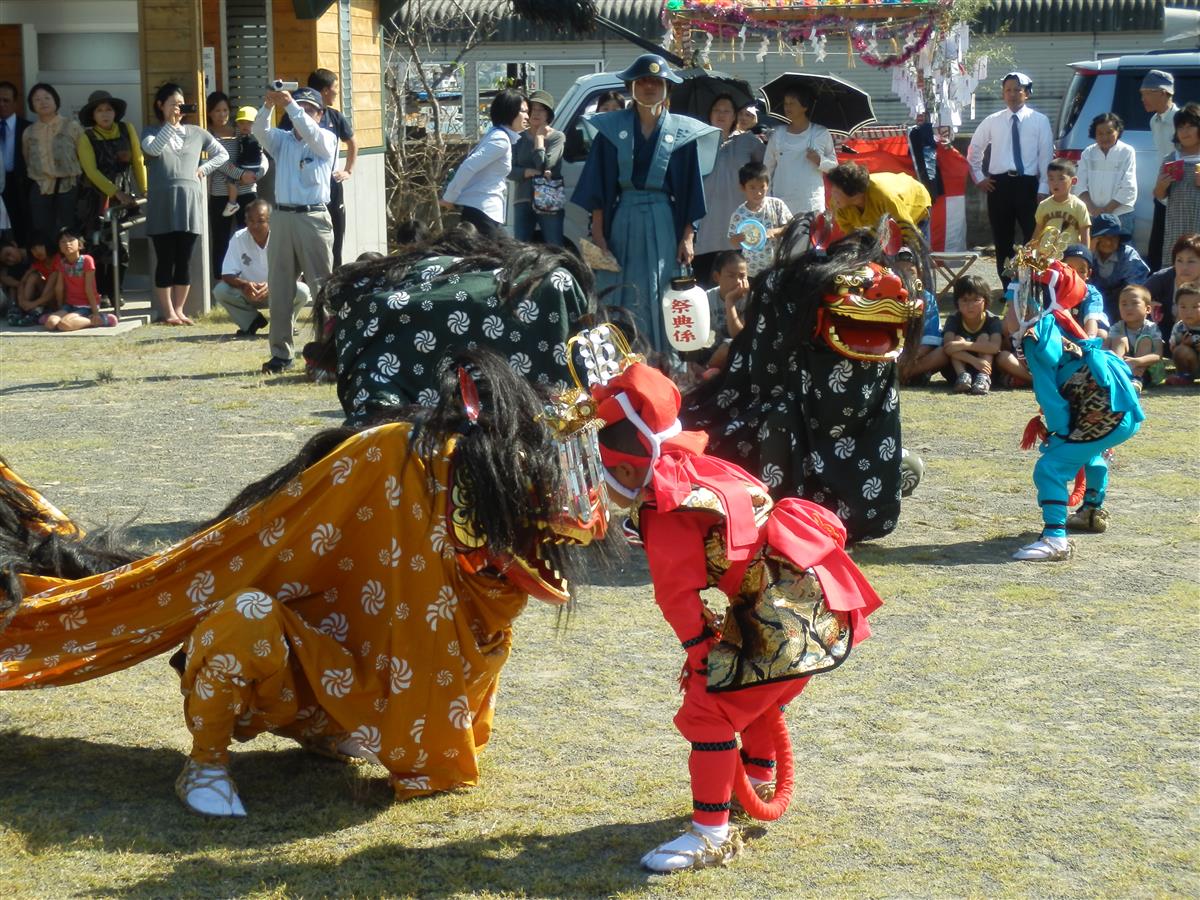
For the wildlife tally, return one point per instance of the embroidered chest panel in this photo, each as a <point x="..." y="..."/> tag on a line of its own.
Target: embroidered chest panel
<point x="1092" y="415"/>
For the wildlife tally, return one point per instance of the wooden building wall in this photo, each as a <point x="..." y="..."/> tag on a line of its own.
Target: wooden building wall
<point x="169" y="36"/>
<point x="210" y="14"/>
<point x="10" y="60"/>
<point x="294" y="42"/>
<point x="367" y="72"/>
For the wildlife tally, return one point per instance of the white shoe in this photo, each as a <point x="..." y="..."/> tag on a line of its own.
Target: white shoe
<point x="1048" y="549"/>
<point x="208" y="790"/>
<point x="230" y="209"/>
<point x="693" y="850"/>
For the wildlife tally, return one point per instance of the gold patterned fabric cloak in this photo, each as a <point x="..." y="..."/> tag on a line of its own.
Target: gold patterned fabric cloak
<point x="389" y="640"/>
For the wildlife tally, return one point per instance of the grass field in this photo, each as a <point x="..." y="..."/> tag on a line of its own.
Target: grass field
<point x="1012" y="729"/>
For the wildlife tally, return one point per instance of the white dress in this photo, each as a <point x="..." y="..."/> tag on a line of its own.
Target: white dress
<point x="794" y="179"/>
<point x="1109" y="176"/>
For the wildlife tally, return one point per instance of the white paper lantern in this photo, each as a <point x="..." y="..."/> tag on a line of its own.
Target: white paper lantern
<point x="685" y="312"/>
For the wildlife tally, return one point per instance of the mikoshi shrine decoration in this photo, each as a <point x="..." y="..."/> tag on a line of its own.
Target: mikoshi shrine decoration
<point x="916" y="39"/>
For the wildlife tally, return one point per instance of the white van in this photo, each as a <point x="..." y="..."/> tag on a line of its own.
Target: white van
<point x="1114" y="85"/>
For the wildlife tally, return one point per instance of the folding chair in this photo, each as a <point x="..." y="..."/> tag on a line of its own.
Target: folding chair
<point x="949" y="267"/>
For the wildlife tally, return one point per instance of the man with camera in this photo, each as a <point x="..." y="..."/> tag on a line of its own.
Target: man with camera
<point x="301" y="229"/>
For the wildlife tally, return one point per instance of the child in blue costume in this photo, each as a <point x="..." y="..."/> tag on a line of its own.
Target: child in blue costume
<point x="643" y="185"/>
<point x="1089" y="404"/>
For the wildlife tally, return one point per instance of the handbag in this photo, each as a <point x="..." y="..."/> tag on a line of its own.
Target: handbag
<point x="549" y="194"/>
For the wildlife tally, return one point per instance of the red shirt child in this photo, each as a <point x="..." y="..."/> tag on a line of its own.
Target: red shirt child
<point x="74" y="276"/>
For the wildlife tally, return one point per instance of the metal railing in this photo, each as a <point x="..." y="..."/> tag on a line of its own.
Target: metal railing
<point x="113" y="215"/>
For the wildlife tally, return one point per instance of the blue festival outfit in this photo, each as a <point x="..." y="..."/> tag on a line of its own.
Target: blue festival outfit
<point x="1090" y="406"/>
<point x="649" y="189"/>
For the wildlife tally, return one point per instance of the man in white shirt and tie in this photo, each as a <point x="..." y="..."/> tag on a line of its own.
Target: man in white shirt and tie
<point x="1021" y="146"/>
<point x="15" y="185"/>
<point x="301" y="229"/>
<point x="1158" y="99"/>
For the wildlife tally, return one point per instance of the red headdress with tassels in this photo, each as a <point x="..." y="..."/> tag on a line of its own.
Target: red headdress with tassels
<point x="674" y="459"/>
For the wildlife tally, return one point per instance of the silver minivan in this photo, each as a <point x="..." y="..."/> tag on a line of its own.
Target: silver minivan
<point x="1114" y="85"/>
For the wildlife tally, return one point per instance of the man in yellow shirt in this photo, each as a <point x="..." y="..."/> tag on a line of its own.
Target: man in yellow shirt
<point x="860" y="199"/>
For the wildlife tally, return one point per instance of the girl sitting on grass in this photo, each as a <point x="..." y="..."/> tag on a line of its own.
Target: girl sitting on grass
<point x="35" y="292"/>
<point x="75" y="288"/>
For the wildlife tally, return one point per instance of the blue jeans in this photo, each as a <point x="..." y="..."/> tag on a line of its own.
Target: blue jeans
<point x="526" y="220"/>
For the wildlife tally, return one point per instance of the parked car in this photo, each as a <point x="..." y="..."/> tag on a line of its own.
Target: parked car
<point x="1113" y="85"/>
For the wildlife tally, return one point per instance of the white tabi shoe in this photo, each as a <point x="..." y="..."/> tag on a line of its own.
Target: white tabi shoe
<point x="693" y="850"/>
<point x="1048" y="549"/>
<point x="208" y="791"/>
<point x="345" y="748"/>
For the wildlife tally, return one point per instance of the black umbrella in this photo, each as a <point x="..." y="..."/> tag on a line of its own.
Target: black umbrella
<point x="701" y="87"/>
<point x="838" y="105"/>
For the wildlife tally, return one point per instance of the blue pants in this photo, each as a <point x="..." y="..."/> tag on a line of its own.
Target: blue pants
<point x="526" y="220"/>
<point x="1057" y="467"/>
<point x="643" y="241"/>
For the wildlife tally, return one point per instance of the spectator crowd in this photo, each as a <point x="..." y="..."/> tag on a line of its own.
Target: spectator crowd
<point x="65" y="180"/>
<point x="664" y="193"/>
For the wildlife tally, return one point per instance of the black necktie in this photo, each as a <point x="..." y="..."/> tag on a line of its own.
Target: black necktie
<point x="1016" y="145"/>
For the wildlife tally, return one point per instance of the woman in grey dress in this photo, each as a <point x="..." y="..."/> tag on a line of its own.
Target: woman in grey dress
<point x="173" y="216"/>
<point x="722" y="191"/>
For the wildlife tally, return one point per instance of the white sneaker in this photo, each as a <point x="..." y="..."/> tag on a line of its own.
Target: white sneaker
<point x="208" y="790"/>
<point x="693" y="850"/>
<point x="230" y="209"/>
<point x="1049" y="549"/>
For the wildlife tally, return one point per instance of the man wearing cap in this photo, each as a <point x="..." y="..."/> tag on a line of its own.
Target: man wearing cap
<point x="325" y="82"/>
<point x="110" y="155"/>
<point x="1021" y="146"/>
<point x="302" y="232"/>
<point x="1158" y="98"/>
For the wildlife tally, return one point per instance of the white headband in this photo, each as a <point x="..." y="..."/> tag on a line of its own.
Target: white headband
<point x="655" y="439"/>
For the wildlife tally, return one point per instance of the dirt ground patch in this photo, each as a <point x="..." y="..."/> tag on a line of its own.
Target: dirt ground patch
<point x="1010" y="729"/>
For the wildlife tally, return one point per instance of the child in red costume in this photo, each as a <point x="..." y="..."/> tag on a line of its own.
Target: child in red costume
<point x="797" y="602"/>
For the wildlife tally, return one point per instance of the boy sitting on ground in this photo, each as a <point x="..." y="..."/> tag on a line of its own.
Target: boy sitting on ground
<point x="929" y="357"/>
<point x="1090" y="313"/>
<point x="772" y="214"/>
<point x="1136" y="339"/>
<point x="1185" y="335"/>
<point x="727" y="302"/>
<point x="1062" y="209"/>
<point x="972" y="340"/>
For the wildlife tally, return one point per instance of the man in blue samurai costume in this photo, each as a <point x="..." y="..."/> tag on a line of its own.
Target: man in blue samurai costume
<point x="1087" y="398"/>
<point x="643" y="185"/>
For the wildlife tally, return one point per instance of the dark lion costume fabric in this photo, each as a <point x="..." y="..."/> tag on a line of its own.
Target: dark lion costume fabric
<point x="394" y="318"/>
<point x="805" y="417"/>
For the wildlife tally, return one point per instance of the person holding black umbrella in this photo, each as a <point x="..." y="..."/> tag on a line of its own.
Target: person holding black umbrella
<point x="722" y="193"/>
<point x="798" y="156"/>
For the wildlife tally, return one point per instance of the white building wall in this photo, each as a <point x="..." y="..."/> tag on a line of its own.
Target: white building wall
<point x="366" y="207"/>
<point x="79" y="46"/>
